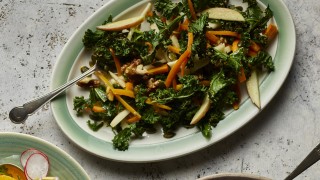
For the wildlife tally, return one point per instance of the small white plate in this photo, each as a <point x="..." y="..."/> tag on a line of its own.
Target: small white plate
<point x="155" y="147"/>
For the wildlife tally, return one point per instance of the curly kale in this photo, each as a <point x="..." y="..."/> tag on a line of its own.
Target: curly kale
<point x="167" y="8"/>
<point x="190" y="86"/>
<point x="211" y="119"/>
<point x="221" y="69"/>
<point x="79" y="104"/>
<point x="122" y="139"/>
<point x="91" y="38"/>
<point x="219" y="90"/>
<point x="257" y="20"/>
<point x="262" y="59"/>
<point x="95" y="125"/>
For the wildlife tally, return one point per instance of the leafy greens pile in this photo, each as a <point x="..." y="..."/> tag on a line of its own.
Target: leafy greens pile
<point x="210" y="71"/>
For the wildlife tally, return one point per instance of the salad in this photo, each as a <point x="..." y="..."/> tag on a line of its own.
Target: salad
<point x="178" y="64"/>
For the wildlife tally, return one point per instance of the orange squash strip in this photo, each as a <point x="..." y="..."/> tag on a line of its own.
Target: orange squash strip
<point x="129" y="86"/>
<point x="271" y="31"/>
<point x="190" y="40"/>
<point x="149" y="46"/>
<point x="242" y="76"/>
<point x="123" y="92"/>
<point x="176" y="67"/>
<point x="185" y="25"/>
<point x="98" y="109"/>
<point x="254" y="46"/>
<point x="104" y="79"/>
<point x="133" y="119"/>
<point x="212" y="37"/>
<point x="149" y="13"/>
<point x="122" y="101"/>
<point x="235" y="46"/>
<point x="159" y="70"/>
<point x="184" y="57"/>
<point x="225" y="33"/>
<point x="117" y="62"/>
<point x="162" y="106"/>
<point x="174" y="49"/>
<point x="252" y="53"/>
<point x="183" y="68"/>
<point x="192" y="11"/>
<point x="127" y="106"/>
<point x="174" y="83"/>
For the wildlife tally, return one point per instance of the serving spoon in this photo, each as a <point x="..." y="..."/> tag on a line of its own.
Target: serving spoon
<point x="311" y="158"/>
<point x="19" y="114"/>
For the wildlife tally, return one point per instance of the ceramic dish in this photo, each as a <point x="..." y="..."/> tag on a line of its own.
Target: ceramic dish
<point x="62" y="165"/>
<point x="233" y="176"/>
<point x="155" y="147"/>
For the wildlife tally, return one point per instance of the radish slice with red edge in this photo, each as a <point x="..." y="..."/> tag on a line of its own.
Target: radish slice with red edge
<point x="27" y="153"/>
<point x="37" y="166"/>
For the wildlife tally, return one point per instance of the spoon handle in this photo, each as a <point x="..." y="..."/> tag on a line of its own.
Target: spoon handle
<point x="19" y="114"/>
<point x="312" y="158"/>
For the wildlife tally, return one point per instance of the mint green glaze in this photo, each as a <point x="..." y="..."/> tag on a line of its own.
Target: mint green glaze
<point x="177" y="146"/>
<point x="61" y="164"/>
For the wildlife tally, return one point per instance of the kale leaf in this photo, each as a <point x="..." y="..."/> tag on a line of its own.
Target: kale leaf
<point x="263" y="59"/>
<point x="190" y="86"/>
<point x="220" y="91"/>
<point x="122" y="139"/>
<point x="79" y="104"/>
<point x="95" y="126"/>
<point x="168" y="8"/>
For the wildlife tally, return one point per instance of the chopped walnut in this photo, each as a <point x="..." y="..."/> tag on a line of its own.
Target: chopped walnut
<point x="153" y="84"/>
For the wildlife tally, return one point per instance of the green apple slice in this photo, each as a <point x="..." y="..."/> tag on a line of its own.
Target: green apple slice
<point x="224" y="14"/>
<point x="202" y="110"/>
<point x="252" y="84"/>
<point x="126" y="23"/>
<point x="122" y="24"/>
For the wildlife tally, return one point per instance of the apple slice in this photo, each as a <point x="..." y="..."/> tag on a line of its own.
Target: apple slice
<point x="116" y="120"/>
<point x="122" y="24"/>
<point x="202" y="110"/>
<point x="224" y="14"/>
<point x="253" y="88"/>
<point x="126" y="23"/>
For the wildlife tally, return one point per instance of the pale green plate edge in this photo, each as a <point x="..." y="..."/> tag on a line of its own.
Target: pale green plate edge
<point x="177" y="147"/>
<point x="62" y="165"/>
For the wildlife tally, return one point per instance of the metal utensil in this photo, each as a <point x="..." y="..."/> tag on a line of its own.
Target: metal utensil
<point x="312" y="158"/>
<point x="20" y="114"/>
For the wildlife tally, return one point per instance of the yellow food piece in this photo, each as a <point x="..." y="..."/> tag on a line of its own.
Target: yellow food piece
<point x="4" y="177"/>
<point x="14" y="171"/>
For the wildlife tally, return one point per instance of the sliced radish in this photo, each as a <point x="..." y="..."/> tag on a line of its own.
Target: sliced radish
<point x="37" y="166"/>
<point x="27" y="153"/>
